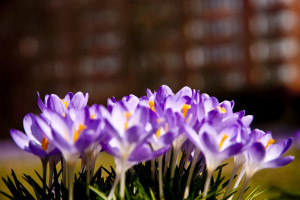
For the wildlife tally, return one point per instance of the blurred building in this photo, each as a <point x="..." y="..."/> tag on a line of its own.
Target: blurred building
<point x="116" y="47"/>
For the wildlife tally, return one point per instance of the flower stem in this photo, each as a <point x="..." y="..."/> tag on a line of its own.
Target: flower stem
<point x="174" y="162"/>
<point x="64" y="172"/>
<point x="235" y="168"/>
<point x="191" y="172"/>
<point x="51" y="167"/>
<point x="112" y="191"/>
<point x="44" y="164"/>
<point x="207" y="182"/>
<point x="88" y="173"/>
<point x="246" y="181"/>
<point x="122" y="186"/>
<point x="160" y="181"/>
<point x="71" y="169"/>
<point x="153" y="168"/>
<point x="238" y="180"/>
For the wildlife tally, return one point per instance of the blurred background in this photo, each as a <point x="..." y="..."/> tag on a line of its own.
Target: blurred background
<point x="247" y="51"/>
<point x="242" y="50"/>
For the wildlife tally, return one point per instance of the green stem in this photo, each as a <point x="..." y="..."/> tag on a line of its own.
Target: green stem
<point x="51" y="167"/>
<point x="44" y="164"/>
<point x="174" y="162"/>
<point x="122" y="187"/>
<point x="238" y="180"/>
<point x="160" y="181"/>
<point x="246" y="181"/>
<point x="153" y="168"/>
<point x="235" y="168"/>
<point x="71" y="169"/>
<point x="191" y="172"/>
<point x="64" y="172"/>
<point x="88" y="173"/>
<point x="112" y="191"/>
<point x="207" y="182"/>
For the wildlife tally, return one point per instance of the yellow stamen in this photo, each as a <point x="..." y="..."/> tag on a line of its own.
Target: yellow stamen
<point x="185" y="108"/>
<point x="45" y="143"/>
<point x="222" y="141"/>
<point x="159" y="120"/>
<point x="158" y="133"/>
<point x="66" y="103"/>
<point x="127" y="115"/>
<point x="166" y="127"/>
<point x="151" y="104"/>
<point x="63" y="114"/>
<point x="223" y="110"/>
<point x="78" y="132"/>
<point x="271" y="141"/>
<point x="93" y="116"/>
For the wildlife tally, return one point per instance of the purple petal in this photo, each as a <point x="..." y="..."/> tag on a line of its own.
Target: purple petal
<point x="185" y="91"/>
<point x="276" y="150"/>
<point x="247" y="120"/>
<point x="133" y="134"/>
<point x="40" y="102"/>
<point x="256" y="153"/>
<point x="20" y="139"/>
<point x="32" y="129"/>
<point x="78" y="101"/>
<point x="208" y="143"/>
<point x="231" y="150"/>
<point x="279" y="162"/>
<point x="37" y="150"/>
<point x="55" y="104"/>
<point x="193" y="136"/>
<point x="162" y="93"/>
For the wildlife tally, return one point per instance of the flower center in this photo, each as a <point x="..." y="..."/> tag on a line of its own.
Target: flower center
<point x="223" y="110"/>
<point x="93" y="116"/>
<point x="222" y="141"/>
<point x="66" y="103"/>
<point x="158" y="132"/>
<point x="151" y="104"/>
<point x="271" y="141"/>
<point x="185" y="109"/>
<point x="78" y="132"/>
<point x="127" y="115"/>
<point x="45" y="143"/>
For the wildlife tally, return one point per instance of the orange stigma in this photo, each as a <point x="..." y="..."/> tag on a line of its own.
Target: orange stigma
<point x="185" y="108"/>
<point x="271" y="141"/>
<point x="45" y="143"/>
<point x="222" y="141"/>
<point x="78" y="132"/>
<point x="151" y="104"/>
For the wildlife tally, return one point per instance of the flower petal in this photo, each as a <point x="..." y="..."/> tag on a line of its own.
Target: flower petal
<point x="20" y="139"/>
<point x="276" y="150"/>
<point x="279" y="162"/>
<point x="36" y="149"/>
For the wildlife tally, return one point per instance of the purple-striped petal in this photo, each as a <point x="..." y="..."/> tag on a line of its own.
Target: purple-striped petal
<point x="20" y="139"/>
<point x="279" y="162"/>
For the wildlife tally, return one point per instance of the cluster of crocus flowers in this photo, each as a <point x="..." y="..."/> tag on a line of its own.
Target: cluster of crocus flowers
<point x="154" y="126"/>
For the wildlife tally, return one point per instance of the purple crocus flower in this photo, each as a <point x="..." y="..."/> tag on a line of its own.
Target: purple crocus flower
<point x="265" y="153"/>
<point x="52" y="102"/>
<point x="34" y="141"/>
<point x="73" y="134"/>
<point x="217" y="132"/>
<point x="130" y="130"/>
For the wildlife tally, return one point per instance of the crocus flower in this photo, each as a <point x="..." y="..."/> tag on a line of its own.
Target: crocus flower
<point x="217" y="133"/>
<point x="129" y="131"/>
<point x="52" y="102"/>
<point x="72" y="133"/>
<point x="34" y="141"/>
<point x="264" y="153"/>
